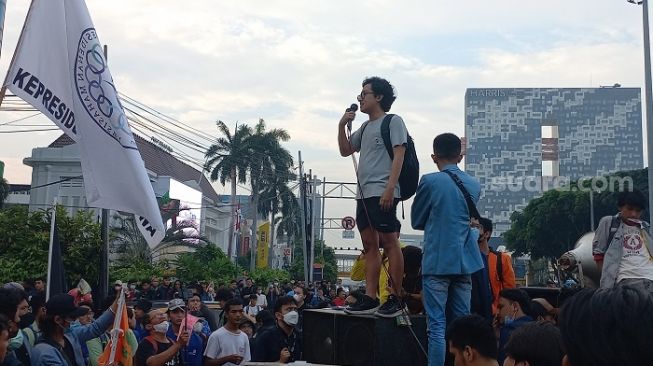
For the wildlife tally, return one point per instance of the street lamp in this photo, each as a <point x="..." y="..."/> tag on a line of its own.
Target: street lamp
<point x="649" y="104"/>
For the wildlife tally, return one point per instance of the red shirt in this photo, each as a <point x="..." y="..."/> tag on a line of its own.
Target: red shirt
<point x="339" y="301"/>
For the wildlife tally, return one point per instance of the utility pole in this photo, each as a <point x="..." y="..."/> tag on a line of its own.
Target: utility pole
<point x="104" y="259"/>
<point x="649" y="98"/>
<point x="649" y="103"/>
<point x="313" y="223"/>
<point x="232" y="201"/>
<point x="322" y="216"/>
<point x="302" y="211"/>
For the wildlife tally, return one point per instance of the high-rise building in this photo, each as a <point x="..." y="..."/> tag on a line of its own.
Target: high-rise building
<point x="522" y="141"/>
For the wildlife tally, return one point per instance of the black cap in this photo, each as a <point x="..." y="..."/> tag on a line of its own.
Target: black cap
<point x="64" y="305"/>
<point x="144" y="305"/>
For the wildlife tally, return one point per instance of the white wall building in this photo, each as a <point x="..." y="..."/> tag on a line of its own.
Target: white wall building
<point x="60" y="160"/>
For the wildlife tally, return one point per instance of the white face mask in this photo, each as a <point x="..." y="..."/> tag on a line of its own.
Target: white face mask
<point x="161" y="327"/>
<point x="291" y="318"/>
<point x="298" y="297"/>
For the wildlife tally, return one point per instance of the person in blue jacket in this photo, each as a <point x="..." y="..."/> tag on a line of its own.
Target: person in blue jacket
<point x="193" y="353"/>
<point x="451" y="252"/>
<point x="60" y="344"/>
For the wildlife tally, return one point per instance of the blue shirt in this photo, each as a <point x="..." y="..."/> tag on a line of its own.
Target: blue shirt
<point x="505" y="333"/>
<point x="140" y="331"/>
<point x="440" y="209"/>
<point x="44" y="354"/>
<point x="193" y="354"/>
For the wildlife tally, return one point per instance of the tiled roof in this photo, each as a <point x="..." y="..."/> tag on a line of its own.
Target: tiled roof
<point x="160" y="162"/>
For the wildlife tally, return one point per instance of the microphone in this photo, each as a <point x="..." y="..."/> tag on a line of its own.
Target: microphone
<point x="352" y="108"/>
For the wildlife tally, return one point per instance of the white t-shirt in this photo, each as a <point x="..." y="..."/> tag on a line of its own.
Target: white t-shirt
<point x="223" y="343"/>
<point x="252" y="310"/>
<point x="261" y="300"/>
<point x="635" y="259"/>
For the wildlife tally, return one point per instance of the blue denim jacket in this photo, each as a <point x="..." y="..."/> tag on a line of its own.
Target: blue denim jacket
<point x="439" y="208"/>
<point x="46" y="355"/>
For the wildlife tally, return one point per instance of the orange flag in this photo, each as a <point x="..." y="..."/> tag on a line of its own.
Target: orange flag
<point x="124" y="353"/>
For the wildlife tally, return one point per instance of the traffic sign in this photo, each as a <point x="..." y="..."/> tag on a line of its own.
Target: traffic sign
<point x="348" y="223"/>
<point x="348" y="234"/>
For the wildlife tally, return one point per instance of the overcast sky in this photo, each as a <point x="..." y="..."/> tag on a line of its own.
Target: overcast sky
<point x="298" y="64"/>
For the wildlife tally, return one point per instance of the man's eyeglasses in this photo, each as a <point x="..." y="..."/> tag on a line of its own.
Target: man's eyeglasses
<point x="362" y="95"/>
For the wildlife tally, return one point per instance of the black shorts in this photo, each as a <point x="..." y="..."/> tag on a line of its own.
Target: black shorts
<point x="382" y="221"/>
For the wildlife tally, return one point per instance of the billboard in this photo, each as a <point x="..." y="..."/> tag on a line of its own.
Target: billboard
<point x="263" y="245"/>
<point x="189" y="214"/>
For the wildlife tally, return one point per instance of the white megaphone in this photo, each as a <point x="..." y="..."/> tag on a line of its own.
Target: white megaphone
<point x="581" y="258"/>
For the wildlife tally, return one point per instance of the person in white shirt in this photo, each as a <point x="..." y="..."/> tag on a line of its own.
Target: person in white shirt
<point x="261" y="300"/>
<point x="252" y="308"/>
<point x="228" y="345"/>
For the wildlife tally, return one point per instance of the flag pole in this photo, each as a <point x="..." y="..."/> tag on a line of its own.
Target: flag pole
<point x="115" y="332"/>
<point x="104" y="233"/>
<point x="52" y="224"/>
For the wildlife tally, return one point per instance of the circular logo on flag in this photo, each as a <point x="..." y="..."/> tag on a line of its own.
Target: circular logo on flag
<point x="97" y="92"/>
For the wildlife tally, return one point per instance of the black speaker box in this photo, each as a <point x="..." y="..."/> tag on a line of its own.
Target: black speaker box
<point x="335" y="338"/>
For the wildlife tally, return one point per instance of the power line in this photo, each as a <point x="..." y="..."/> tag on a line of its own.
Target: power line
<point x="32" y="130"/>
<point x="48" y="184"/>
<point x="19" y="119"/>
<point x="168" y="135"/>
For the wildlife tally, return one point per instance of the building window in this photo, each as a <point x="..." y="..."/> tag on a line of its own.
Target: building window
<point x="71" y="183"/>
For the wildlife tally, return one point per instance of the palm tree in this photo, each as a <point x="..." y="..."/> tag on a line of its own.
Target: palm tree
<point x="128" y="242"/>
<point x="270" y="204"/>
<point x="183" y="233"/>
<point x="228" y="160"/>
<point x="289" y="223"/>
<point x="268" y="161"/>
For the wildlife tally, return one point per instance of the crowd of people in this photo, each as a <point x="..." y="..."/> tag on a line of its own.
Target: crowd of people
<point x="475" y="313"/>
<point x="607" y="326"/>
<point x="170" y="324"/>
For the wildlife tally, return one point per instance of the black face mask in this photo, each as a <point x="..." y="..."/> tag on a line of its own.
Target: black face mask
<point x="26" y="320"/>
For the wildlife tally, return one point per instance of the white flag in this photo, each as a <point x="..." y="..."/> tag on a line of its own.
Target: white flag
<point x="59" y="68"/>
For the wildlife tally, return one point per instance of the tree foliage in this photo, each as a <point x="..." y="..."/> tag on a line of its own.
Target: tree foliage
<point x="551" y="224"/>
<point x="253" y="155"/>
<point x="4" y="190"/>
<point x="328" y="259"/>
<point x="207" y="263"/>
<point x="139" y="270"/>
<point x="25" y="240"/>
<point x="128" y="242"/>
<point x="265" y="276"/>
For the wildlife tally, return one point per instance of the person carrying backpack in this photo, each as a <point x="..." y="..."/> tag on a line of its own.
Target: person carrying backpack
<point x="383" y="144"/>
<point x="157" y="349"/>
<point x="622" y="246"/>
<point x="501" y="273"/>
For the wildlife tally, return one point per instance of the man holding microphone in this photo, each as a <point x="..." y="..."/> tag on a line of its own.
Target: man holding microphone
<point x="378" y="192"/>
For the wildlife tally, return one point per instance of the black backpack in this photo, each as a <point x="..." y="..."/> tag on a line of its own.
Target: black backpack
<point x="409" y="177"/>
